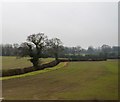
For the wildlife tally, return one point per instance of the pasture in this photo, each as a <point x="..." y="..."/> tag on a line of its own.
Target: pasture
<point x="75" y="81"/>
<point x="10" y="62"/>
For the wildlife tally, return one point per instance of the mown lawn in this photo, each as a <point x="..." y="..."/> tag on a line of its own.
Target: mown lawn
<point x="14" y="62"/>
<point x="75" y="81"/>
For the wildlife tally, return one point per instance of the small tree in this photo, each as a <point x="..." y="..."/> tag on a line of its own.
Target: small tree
<point x="55" y="47"/>
<point x="33" y="47"/>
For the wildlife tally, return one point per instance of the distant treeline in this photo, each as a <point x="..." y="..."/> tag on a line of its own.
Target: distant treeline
<point x="105" y="51"/>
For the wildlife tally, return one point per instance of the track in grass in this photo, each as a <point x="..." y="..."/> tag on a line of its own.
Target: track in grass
<point x="78" y="80"/>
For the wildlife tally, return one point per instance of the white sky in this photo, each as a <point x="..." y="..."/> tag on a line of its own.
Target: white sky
<point x="75" y="23"/>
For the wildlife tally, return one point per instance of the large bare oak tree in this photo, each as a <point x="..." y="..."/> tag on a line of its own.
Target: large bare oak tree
<point x="33" y="47"/>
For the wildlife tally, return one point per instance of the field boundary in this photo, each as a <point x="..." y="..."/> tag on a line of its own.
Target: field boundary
<point x="20" y="71"/>
<point x="60" y="65"/>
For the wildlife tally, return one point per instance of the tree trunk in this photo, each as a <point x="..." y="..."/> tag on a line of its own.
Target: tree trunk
<point x="56" y="57"/>
<point x="35" y="61"/>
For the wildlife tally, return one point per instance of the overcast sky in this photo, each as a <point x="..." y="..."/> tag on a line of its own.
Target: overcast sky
<point x="80" y="23"/>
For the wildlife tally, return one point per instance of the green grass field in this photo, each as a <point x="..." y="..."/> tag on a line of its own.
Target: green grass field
<point x="13" y="62"/>
<point x="75" y="81"/>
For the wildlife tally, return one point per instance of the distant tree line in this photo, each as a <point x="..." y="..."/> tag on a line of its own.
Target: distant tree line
<point x="9" y="49"/>
<point x="39" y="46"/>
<point x="104" y="50"/>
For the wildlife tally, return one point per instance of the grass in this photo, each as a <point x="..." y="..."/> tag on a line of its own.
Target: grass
<point x="60" y="65"/>
<point x="75" y="81"/>
<point x="13" y="62"/>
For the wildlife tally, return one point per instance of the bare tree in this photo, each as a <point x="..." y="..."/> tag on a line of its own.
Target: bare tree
<point x="106" y="50"/>
<point x="90" y="50"/>
<point x="33" y="47"/>
<point x="55" y="47"/>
